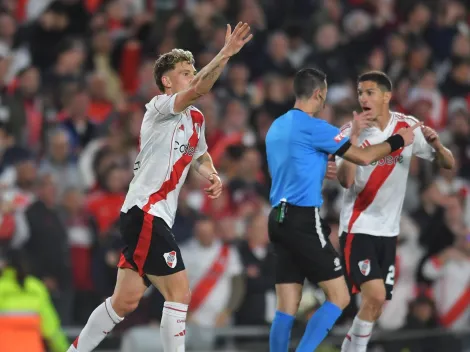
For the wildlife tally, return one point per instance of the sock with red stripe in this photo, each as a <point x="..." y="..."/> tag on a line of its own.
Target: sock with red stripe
<point x="173" y="326"/>
<point x="358" y="336"/>
<point x="99" y="324"/>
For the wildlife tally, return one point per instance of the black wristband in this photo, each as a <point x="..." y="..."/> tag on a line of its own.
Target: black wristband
<point x="396" y="142"/>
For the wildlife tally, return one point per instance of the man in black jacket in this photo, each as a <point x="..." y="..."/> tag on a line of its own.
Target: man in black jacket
<point x="47" y="247"/>
<point x="258" y="306"/>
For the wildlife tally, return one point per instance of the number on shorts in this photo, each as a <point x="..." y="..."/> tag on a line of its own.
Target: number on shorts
<point x="390" y="280"/>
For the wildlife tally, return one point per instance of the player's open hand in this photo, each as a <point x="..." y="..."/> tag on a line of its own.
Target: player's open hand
<point x="235" y="40"/>
<point x="431" y="136"/>
<point x="215" y="190"/>
<point x="361" y="121"/>
<point x="408" y="133"/>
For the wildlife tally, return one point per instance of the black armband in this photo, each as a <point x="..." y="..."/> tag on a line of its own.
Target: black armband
<point x="343" y="149"/>
<point x="396" y="142"/>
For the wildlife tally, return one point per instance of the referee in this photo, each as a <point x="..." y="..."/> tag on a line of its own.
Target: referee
<point x="298" y="145"/>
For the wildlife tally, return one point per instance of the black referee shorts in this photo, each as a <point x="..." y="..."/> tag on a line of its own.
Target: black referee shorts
<point x="302" y="246"/>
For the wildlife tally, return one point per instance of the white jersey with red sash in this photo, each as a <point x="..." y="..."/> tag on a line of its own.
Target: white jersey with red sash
<point x="210" y="270"/>
<point x="372" y="205"/>
<point x="451" y="290"/>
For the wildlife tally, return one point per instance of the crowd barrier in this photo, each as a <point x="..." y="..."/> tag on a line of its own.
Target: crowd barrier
<point x="147" y="338"/>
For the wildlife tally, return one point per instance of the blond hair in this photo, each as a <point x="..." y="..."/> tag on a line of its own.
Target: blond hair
<point x="167" y="62"/>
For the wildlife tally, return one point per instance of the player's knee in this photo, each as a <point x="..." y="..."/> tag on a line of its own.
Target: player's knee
<point x="179" y="296"/>
<point x="125" y="304"/>
<point x="374" y="300"/>
<point x="288" y="306"/>
<point x="340" y="298"/>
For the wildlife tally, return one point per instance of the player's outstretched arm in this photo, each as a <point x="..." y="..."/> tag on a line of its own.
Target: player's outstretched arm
<point x="206" y="78"/>
<point x="366" y="156"/>
<point x="346" y="172"/>
<point x="205" y="167"/>
<point x="444" y="157"/>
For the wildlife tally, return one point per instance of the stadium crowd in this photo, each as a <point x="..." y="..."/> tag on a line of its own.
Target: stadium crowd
<point x="75" y="76"/>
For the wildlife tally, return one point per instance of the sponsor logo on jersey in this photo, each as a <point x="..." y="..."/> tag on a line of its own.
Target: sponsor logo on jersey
<point x="170" y="259"/>
<point x="364" y="266"/>
<point x="389" y="160"/>
<point x="184" y="149"/>
<point x="339" y="137"/>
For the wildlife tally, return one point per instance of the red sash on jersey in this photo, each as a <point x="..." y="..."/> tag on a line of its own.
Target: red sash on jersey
<point x="208" y="281"/>
<point x="457" y="309"/>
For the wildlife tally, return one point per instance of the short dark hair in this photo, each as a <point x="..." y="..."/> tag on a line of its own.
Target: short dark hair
<point x="382" y="80"/>
<point x="307" y="80"/>
<point x="167" y="62"/>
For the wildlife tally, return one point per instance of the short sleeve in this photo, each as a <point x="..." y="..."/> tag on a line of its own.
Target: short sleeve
<point x="328" y="138"/>
<point x="201" y="145"/>
<point x="421" y="148"/>
<point x="163" y="105"/>
<point x="345" y="130"/>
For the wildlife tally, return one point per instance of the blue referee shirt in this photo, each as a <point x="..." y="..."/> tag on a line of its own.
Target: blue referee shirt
<point x="297" y="147"/>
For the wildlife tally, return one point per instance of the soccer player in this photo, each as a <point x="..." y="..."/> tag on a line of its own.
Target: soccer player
<point x="373" y="199"/>
<point x="298" y="145"/>
<point x="171" y="140"/>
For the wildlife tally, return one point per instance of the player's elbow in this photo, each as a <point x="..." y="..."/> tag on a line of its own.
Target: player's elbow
<point x="364" y="160"/>
<point x="448" y="164"/>
<point x="199" y="89"/>
<point x="345" y="182"/>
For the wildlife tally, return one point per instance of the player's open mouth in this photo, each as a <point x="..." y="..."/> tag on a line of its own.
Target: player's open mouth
<point x="365" y="108"/>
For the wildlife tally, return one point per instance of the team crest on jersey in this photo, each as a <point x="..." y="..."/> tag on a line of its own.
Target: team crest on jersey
<point x="170" y="259"/>
<point x="339" y="137"/>
<point x="364" y="266"/>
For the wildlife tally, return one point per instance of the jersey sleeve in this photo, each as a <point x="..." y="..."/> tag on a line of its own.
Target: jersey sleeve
<point x="345" y="130"/>
<point x="202" y="144"/>
<point x="421" y="148"/>
<point x="163" y="105"/>
<point x="327" y="138"/>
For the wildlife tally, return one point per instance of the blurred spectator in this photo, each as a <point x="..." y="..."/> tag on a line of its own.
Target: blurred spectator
<point x="258" y="262"/>
<point x="246" y="187"/>
<point x="329" y="55"/>
<point x="21" y="192"/>
<point x="277" y="60"/>
<point x="457" y="82"/>
<point x="77" y="122"/>
<point x="409" y="254"/>
<point x="26" y="118"/>
<point x="104" y="63"/>
<point x="48" y="248"/>
<point x="10" y="154"/>
<point x="450" y="272"/>
<point x="104" y="205"/>
<point x="459" y="133"/>
<point x="422" y="315"/>
<point x="81" y="238"/>
<point x="100" y="104"/>
<point x="59" y="162"/>
<point x="217" y="283"/>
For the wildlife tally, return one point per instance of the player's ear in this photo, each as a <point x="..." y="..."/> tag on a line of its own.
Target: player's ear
<point x="166" y="82"/>
<point x="387" y="97"/>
